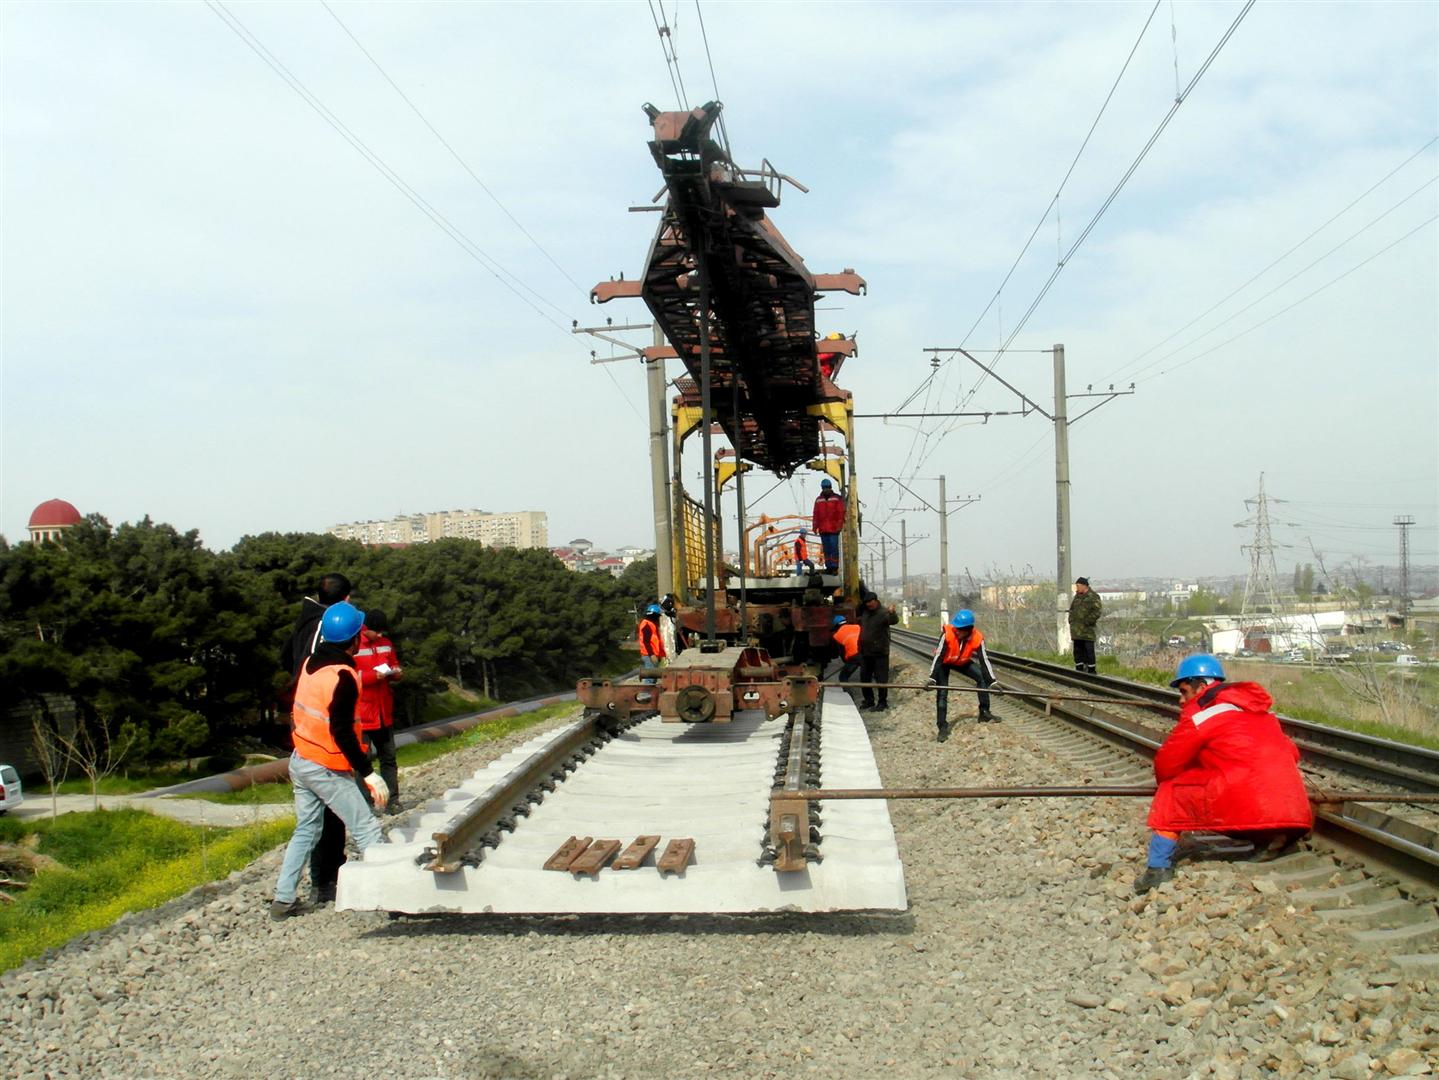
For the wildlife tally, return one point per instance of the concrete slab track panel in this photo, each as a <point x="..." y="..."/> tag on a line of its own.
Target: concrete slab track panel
<point x="709" y="782"/>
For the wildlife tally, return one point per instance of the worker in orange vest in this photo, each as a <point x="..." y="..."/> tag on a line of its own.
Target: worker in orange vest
<point x="961" y="649"/>
<point x="802" y="564"/>
<point x="846" y="639"/>
<point x="329" y="754"/>
<point x="651" y="638"/>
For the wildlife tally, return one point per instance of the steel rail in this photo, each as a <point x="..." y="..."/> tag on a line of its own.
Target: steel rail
<point x="1062" y="792"/>
<point x="456" y="843"/>
<point x="1401" y="846"/>
<point x="1384" y="760"/>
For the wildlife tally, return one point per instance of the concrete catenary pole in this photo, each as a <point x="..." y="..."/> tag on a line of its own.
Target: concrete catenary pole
<point x="903" y="562"/>
<point x="943" y="554"/>
<point x="659" y="470"/>
<point x="883" y="565"/>
<point x="1061" y="502"/>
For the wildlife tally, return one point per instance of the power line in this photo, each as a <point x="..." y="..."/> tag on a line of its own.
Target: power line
<point x="453" y="232"/>
<point x="714" y="82"/>
<point x="453" y="152"/>
<point x="928" y="381"/>
<point x="1272" y="265"/>
<point x="1332" y="281"/>
<point x="1108" y="202"/>
<point x="667" y="47"/>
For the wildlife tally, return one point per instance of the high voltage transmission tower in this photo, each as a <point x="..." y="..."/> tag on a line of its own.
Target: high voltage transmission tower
<point x="1261" y="586"/>
<point x="1404" y="521"/>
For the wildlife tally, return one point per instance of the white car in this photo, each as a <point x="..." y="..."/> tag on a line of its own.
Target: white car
<point x="11" y="795"/>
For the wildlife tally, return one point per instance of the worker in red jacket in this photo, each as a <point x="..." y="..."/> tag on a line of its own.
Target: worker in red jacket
<point x="828" y="521"/>
<point x="1227" y="768"/>
<point x="379" y="669"/>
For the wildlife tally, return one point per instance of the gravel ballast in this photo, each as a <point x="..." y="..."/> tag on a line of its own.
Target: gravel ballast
<point x="1024" y="954"/>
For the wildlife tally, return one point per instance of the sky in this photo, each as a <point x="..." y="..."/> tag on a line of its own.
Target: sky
<point x="216" y="311"/>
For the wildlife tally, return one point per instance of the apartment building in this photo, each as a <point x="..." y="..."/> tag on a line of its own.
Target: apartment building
<point x="523" y="529"/>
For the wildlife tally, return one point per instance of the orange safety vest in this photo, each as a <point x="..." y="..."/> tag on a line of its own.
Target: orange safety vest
<point x="848" y="637"/>
<point x="801" y="550"/>
<point x="651" y="643"/>
<point x="957" y="653"/>
<point x="311" y="714"/>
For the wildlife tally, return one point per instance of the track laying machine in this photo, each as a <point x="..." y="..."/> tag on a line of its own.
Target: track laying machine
<point x="736" y="305"/>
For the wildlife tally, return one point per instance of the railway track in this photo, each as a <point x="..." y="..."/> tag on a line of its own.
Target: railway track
<point x="483" y="846"/>
<point x="1375" y="867"/>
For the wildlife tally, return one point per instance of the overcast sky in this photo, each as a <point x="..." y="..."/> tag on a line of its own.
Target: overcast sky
<point x="218" y="313"/>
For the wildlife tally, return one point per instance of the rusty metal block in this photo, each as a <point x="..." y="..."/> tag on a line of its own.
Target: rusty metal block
<point x="677" y="855"/>
<point x="595" y="857"/>
<point x="635" y="855"/>
<point x="568" y="852"/>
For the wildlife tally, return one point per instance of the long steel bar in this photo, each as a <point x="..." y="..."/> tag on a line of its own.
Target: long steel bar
<point x="1062" y="792"/>
<point x="707" y="422"/>
<point x="992" y="689"/>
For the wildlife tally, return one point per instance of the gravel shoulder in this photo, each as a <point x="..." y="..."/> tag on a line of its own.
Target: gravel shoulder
<point x="1023" y="954"/>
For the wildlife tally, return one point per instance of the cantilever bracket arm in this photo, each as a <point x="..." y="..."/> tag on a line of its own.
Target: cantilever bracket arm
<point x="1108" y="397"/>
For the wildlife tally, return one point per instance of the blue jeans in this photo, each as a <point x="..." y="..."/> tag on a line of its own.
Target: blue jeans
<point x="317" y="787"/>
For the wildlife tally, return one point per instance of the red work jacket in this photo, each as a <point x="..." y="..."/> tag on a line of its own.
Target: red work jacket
<point x="829" y="513"/>
<point x="1227" y="767"/>
<point x="377" y="699"/>
<point x="957" y="653"/>
<point x="652" y="642"/>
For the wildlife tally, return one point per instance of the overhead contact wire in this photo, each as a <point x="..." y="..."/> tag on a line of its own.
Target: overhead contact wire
<point x="454" y="233"/>
<point x="453" y="152"/>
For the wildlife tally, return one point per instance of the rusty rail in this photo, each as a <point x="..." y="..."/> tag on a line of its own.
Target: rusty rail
<point x="456" y="842"/>
<point x="995" y="688"/>
<point x="1062" y="792"/>
<point x="788" y="812"/>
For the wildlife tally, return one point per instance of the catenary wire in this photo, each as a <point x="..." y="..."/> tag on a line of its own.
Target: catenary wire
<point x="445" y="143"/>
<point x="1308" y="296"/>
<point x="1355" y="202"/>
<point x="465" y="243"/>
<point x="929" y="379"/>
<point x="714" y="81"/>
<point x="1104" y="207"/>
<point x="1298" y="273"/>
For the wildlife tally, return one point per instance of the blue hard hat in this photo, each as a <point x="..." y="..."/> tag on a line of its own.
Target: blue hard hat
<point x="341" y="622"/>
<point x="653" y="609"/>
<point x="962" y="618"/>
<point x="826" y="484"/>
<point x="840" y="620"/>
<point x="1199" y="666"/>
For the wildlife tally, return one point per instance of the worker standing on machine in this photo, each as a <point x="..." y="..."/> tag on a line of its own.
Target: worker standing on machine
<point x="828" y="521"/>
<point x="672" y="634"/>
<point x="961" y="649"/>
<point x="651" y="638"/>
<point x="1226" y="768"/>
<point x="329" y="752"/>
<point x="802" y="565"/>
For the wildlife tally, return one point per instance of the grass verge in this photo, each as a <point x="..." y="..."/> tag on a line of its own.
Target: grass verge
<point x="254" y="795"/>
<point x="115" y="861"/>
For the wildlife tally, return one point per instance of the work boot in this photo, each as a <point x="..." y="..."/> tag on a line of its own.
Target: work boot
<point x="325" y="894"/>
<point x="943" y="731"/>
<point x="393" y="806"/>
<point x="1152" y="878"/>
<point x="985" y="716"/>
<point x="281" y="909"/>
<point x="866" y="706"/>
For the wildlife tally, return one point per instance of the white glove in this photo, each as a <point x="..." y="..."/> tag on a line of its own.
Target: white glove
<point x="932" y="682"/>
<point x="379" y="790"/>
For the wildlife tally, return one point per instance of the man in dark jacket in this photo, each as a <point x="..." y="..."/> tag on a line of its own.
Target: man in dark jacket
<point x="874" y="624"/>
<point x="329" y="852"/>
<point x="1085" y="611"/>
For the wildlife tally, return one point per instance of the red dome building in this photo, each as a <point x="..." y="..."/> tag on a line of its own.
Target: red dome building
<point x="51" y="518"/>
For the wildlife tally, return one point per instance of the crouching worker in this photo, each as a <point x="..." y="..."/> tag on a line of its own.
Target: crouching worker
<point x="1226" y="768"/>
<point x="329" y="761"/>
<point x="846" y="639"/>
<point x="961" y="649"/>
